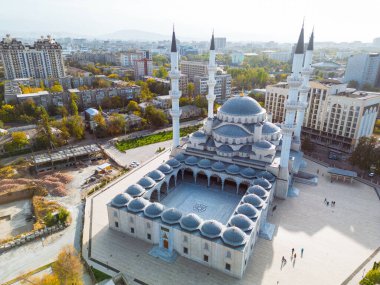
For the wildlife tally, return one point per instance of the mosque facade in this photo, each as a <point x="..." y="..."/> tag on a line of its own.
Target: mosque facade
<point x="210" y="201"/>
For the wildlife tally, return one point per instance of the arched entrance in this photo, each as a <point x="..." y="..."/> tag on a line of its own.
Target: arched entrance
<point x="154" y="196"/>
<point x="202" y="178"/>
<point x="230" y="186"/>
<point x="188" y="175"/>
<point x="215" y="182"/>
<point x="243" y="187"/>
<point x="163" y="190"/>
<point x="171" y="182"/>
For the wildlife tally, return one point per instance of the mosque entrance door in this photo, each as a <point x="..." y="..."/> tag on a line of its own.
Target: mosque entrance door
<point x="166" y="244"/>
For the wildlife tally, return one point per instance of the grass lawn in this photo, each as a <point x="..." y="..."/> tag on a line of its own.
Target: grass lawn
<point x="27" y="275"/>
<point x="99" y="275"/>
<point x="155" y="138"/>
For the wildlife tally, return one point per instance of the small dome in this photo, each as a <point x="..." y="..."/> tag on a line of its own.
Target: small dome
<point x="171" y="216"/>
<point x="241" y="106"/>
<point x="154" y="210"/>
<point x="146" y="182"/>
<point x="156" y="175"/>
<point x="225" y="148"/>
<point x="218" y="166"/>
<point x="242" y="222"/>
<point x="191" y="160"/>
<point x="246" y="149"/>
<point x="121" y="200"/>
<point x="180" y="157"/>
<point x="211" y="229"/>
<point x="232" y="131"/>
<point x="263" y="144"/>
<point x="198" y="134"/>
<point x="267" y="175"/>
<point x="204" y="163"/>
<point x="233" y="169"/>
<point x="248" y="210"/>
<point x="254" y="200"/>
<point x="270" y="128"/>
<point x="173" y="163"/>
<point x="263" y="183"/>
<point x="247" y="172"/>
<point x="165" y="168"/>
<point x="135" y="190"/>
<point x="137" y="204"/>
<point x="258" y="190"/>
<point x="234" y="236"/>
<point x="191" y="222"/>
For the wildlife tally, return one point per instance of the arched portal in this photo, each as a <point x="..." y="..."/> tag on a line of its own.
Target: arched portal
<point x="215" y="182"/>
<point x="188" y="175"/>
<point x="163" y="190"/>
<point x="230" y="186"/>
<point x="202" y="178"/>
<point x="243" y="186"/>
<point x="154" y="197"/>
<point x="172" y="183"/>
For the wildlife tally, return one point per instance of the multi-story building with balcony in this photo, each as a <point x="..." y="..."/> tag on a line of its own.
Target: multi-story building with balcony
<point x="143" y="67"/>
<point x="194" y="68"/>
<point x="41" y="60"/>
<point x="222" y="89"/>
<point x="364" y="69"/>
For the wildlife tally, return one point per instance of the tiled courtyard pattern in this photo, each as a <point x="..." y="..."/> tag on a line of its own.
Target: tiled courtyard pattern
<point x="336" y="240"/>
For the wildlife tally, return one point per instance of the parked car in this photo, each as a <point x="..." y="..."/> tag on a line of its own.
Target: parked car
<point x="371" y="174"/>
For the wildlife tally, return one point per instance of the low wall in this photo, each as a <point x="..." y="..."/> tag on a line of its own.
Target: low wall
<point x="17" y="195"/>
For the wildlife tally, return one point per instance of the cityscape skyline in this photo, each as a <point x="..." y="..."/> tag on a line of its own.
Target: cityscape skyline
<point x="236" y="23"/>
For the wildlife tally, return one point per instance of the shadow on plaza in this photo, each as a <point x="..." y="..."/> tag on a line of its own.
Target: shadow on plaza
<point x="130" y="255"/>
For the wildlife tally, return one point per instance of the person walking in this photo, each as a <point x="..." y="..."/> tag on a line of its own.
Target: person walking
<point x="325" y="201"/>
<point x="274" y="209"/>
<point x="292" y="251"/>
<point x="301" y="252"/>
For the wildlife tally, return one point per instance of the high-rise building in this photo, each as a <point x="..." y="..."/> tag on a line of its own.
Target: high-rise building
<point x="194" y="68"/>
<point x="220" y="43"/>
<point x="363" y="68"/>
<point x="129" y="58"/>
<point x="335" y="116"/>
<point x="143" y="67"/>
<point x="41" y="60"/>
<point x="222" y="89"/>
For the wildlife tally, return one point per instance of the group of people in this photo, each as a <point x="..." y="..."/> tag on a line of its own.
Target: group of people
<point x="292" y="258"/>
<point x="327" y="203"/>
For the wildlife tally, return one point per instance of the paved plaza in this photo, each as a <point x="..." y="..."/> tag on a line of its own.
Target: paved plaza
<point x="208" y="203"/>
<point x="13" y="218"/>
<point x="336" y="240"/>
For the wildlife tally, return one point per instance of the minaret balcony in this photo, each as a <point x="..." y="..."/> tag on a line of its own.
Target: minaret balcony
<point x="174" y="74"/>
<point x="210" y="97"/>
<point x="291" y="105"/>
<point x="287" y="129"/>
<point x="304" y="89"/>
<point x="175" y="94"/>
<point x="294" y="81"/>
<point x="211" y="81"/>
<point x="212" y="68"/>
<point x="307" y="71"/>
<point x="302" y="106"/>
<point x="175" y="113"/>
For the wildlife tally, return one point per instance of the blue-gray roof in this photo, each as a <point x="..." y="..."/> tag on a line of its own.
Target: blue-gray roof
<point x="343" y="172"/>
<point x="146" y="182"/>
<point x="248" y="210"/>
<point x="218" y="166"/>
<point x="92" y="111"/>
<point x="254" y="200"/>
<point x="171" y="216"/>
<point x="154" y="210"/>
<point x="137" y="204"/>
<point x="135" y="190"/>
<point x="234" y="236"/>
<point x="191" y="160"/>
<point x="241" y="106"/>
<point x="246" y="148"/>
<point x="174" y="162"/>
<point x="165" y="168"/>
<point x="233" y="169"/>
<point x="248" y="172"/>
<point x="263" y="183"/>
<point x="225" y="148"/>
<point x="180" y="157"/>
<point x="121" y="200"/>
<point x="211" y="229"/>
<point x="242" y="222"/>
<point x="267" y="175"/>
<point x="210" y="142"/>
<point x="258" y="190"/>
<point x="204" y="163"/>
<point x="263" y="144"/>
<point x="231" y="131"/>
<point x="199" y="134"/>
<point x="156" y="175"/>
<point x="270" y="128"/>
<point x="191" y="222"/>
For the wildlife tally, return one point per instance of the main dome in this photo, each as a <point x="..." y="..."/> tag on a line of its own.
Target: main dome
<point x="241" y="106"/>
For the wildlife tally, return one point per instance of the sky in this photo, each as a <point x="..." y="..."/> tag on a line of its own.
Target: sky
<point x="247" y="20"/>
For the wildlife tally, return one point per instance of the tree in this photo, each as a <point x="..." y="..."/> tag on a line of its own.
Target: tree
<point x="190" y="89"/>
<point x="1" y="124"/>
<point x="19" y="141"/>
<point x="113" y="75"/>
<point x="133" y="106"/>
<point x="56" y="87"/>
<point x="155" y="117"/>
<point x="76" y="127"/>
<point x="200" y="101"/>
<point x="145" y="93"/>
<point x="7" y="113"/>
<point x="101" y="125"/>
<point x="366" y="154"/>
<point x="161" y="72"/>
<point x="68" y="267"/>
<point x="47" y="279"/>
<point x="116" y="124"/>
<point x="44" y="127"/>
<point x="160" y="59"/>
<point x="73" y="104"/>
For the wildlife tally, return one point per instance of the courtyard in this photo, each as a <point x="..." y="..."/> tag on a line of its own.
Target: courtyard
<point x="15" y="218"/>
<point x="336" y="240"/>
<point x="208" y="203"/>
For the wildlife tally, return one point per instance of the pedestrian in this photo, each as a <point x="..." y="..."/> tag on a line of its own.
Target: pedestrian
<point x="292" y="251"/>
<point x="327" y="203"/>
<point x="295" y="255"/>
<point x="301" y="252"/>
<point x="274" y="209"/>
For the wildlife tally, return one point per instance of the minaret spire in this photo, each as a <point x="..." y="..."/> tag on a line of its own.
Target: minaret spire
<point x="174" y="42"/>
<point x="310" y="45"/>
<point x="300" y="43"/>
<point x="212" y="45"/>
<point x="211" y="85"/>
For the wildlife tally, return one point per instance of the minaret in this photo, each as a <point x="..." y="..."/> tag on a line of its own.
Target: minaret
<point x="211" y="85"/>
<point x="174" y="92"/>
<point x="294" y="81"/>
<point x="302" y="100"/>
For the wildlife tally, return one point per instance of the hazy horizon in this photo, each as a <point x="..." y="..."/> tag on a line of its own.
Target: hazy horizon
<point x="272" y="20"/>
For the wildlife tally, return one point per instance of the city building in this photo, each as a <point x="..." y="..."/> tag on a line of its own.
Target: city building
<point x="128" y="59"/>
<point x="237" y="58"/>
<point x="43" y="59"/>
<point x="209" y="202"/>
<point x="183" y="82"/>
<point x="143" y="67"/>
<point x="222" y="87"/>
<point x="220" y="43"/>
<point x="336" y="116"/>
<point x="364" y="69"/>
<point x="284" y="56"/>
<point x="193" y="68"/>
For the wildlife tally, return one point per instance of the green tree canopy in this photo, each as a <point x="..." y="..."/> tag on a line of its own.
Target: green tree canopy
<point x="133" y="106"/>
<point x="156" y="117"/>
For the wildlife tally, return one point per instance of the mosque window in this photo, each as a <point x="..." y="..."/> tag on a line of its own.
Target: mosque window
<point x="228" y="254"/>
<point x="116" y="224"/>
<point x="148" y="225"/>
<point x="206" y="246"/>
<point x="228" y="266"/>
<point x="185" y="238"/>
<point x="115" y="213"/>
<point x="205" y="258"/>
<point x="185" y="250"/>
<point x="131" y="219"/>
<point x="148" y="236"/>
<point x="132" y="230"/>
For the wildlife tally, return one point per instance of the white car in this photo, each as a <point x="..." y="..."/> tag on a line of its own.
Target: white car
<point x="371" y="174"/>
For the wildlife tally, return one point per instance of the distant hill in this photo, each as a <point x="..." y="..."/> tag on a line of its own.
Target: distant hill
<point x="135" y="35"/>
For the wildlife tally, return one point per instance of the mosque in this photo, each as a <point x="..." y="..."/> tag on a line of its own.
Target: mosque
<point x="209" y="202"/>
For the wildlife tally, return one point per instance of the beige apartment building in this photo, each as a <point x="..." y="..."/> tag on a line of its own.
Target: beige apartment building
<point x="336" y="116"/>
<point x="194" y="68"/>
